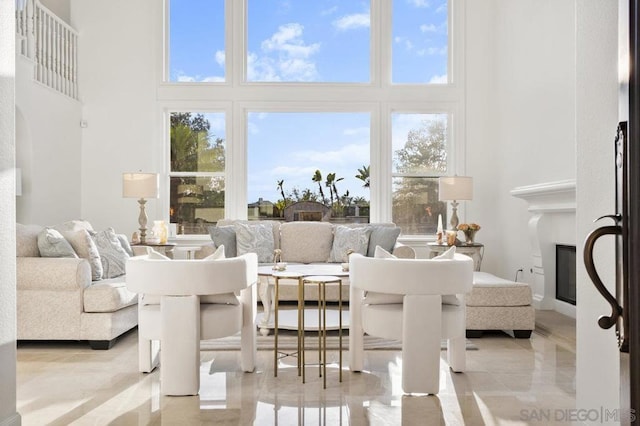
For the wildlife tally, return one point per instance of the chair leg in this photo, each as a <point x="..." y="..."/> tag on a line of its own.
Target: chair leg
<point x="457" y="354"/>
<point x="148" y="354"/>
<point x="356" y="333"/>
<point x="180" y="355"/>
<point x="248" y="345"/>
<point x="421" y="331"/>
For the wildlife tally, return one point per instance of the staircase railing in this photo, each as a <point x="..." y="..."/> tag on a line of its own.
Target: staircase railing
<point x="51" y="44"/>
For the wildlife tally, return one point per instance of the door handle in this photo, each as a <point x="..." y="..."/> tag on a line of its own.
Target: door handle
<point x="604" y="321"/>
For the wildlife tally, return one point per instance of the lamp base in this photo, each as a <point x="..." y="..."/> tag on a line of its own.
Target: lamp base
<point x="142" y="220"/>
<point x="454" y="215"/>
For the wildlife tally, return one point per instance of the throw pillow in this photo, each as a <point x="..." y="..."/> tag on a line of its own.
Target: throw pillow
<point x="449" y="299"/>
<point x="85" y="248"/>
<point x="383" y="236"/>
<point x="224" y="236"/>
<point x="124" y="242"/>
<point x="255" y="238"/>
<point x="51" y="243"/>
<point x="345" y="239"/>
<point x="218" y="254"/>
<point x="112" y="255"/>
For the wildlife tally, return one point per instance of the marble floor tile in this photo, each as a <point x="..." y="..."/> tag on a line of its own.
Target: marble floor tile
<point x="508" y="382"/>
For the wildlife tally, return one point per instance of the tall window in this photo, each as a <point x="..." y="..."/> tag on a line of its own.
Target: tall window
<point x="324" y="161"/>
<point x="345" y="108"/>
<point x="197" y="178"/>
<point x="308" y="41"/>
<point x="419" y="158"/>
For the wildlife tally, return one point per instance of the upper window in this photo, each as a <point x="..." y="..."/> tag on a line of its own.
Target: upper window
<point x="196" y="41"/>
<point x="308" y="41"/>
<point x="420" y="41"/>
<point x="196" y="178"/>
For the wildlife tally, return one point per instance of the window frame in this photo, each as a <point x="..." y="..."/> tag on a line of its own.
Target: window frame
<point x="236" y="97"/>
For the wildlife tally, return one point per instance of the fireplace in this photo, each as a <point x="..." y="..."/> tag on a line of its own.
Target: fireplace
<point x="552" y="206"/>
<point x="566" y="273"/>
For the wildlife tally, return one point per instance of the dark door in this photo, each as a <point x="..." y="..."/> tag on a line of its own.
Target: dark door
<point x="625" y="305"/>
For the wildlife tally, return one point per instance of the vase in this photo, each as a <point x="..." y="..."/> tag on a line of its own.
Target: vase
<point x="159" y="232"/>
<point x="470" y="235"/>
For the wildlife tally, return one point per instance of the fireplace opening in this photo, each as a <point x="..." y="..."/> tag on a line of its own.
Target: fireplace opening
<point x="566" y="273"/>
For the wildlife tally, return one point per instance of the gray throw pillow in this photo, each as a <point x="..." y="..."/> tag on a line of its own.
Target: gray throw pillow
<point x="85" y="247"/>
<point x="345" y="239"/>
<point x="383" y="236"/>
<point x="255" y="238"/>
<point x="51" y="243"/>
<point x="124" y="242"/>
<point x="224" y="236"/>
<point x="112" y="255"/>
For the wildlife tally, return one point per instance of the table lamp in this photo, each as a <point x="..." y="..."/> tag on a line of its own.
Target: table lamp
<point x="455" y="188"/>
<point x="141" y="186"/>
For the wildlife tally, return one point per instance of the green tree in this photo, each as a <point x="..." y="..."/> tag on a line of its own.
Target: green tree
<point x="364" y="176"/>
<point x="415" y="199"/>
<point x="317" y="177"/>
<point x="194" y="149"/>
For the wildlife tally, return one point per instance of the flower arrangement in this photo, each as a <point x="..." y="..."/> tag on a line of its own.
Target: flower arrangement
<point x="469" y="230"/>
<point x="468" y="226"/>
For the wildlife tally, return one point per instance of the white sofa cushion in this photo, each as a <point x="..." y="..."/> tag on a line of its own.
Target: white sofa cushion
<point x="108" y="296"/>
<point x="306" y="242"/>
<point x="27" y="240"/>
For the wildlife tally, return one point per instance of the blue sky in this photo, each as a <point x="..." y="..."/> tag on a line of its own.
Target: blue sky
<point x="309" y="41"/>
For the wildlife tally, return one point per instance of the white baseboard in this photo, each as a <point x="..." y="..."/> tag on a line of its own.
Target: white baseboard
<point x="565" y="308"/>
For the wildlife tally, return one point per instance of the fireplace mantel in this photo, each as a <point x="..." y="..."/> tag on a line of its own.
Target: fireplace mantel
<point x="553" y="219"/>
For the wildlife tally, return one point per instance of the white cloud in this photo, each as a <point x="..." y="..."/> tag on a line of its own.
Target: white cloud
<point x="404" y="123"/>
<point x="220" y="57"/>
<point x="350" y="22"/>
<point x="420" y="3"/>
<point x="293" y="171"/>
<point x="430" y="28"/>
<point x="284" y="56"/>
<point x="183" y="78"/>
<point x="439" y="79"/>
<point x="437" y="50"/>
<point x="288" y="39"/>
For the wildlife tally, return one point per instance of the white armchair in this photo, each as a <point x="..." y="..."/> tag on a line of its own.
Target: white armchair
<point x="404" y="302"/>
<point x="185" y="301"/>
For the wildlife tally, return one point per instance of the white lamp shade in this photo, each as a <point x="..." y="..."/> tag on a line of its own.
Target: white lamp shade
<point x="140" y="185"/>
<point x="455" y="188"/>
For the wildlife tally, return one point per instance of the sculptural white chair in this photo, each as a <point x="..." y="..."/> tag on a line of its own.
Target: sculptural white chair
<point x="404" y="302"/>
<point x="184" y="301"/>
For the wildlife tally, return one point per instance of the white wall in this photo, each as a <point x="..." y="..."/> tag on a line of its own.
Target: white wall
<point x="520" y="116"/>
<point x="8" y="413"/>
<point x="48" y="150"/>
<point x="117" y="66"/>
<point x="596" y="121"/>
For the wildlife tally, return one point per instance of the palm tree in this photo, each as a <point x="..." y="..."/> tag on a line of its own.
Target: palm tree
<point x="331" y="177"/>
<point x="317" y="177"/>
<point x="364" y="176"/>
